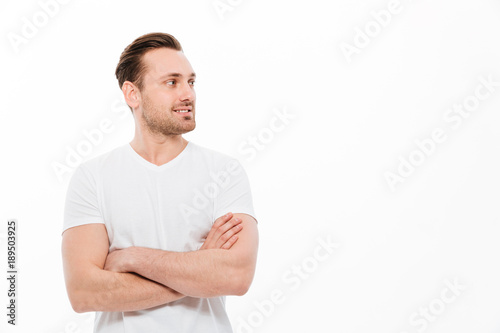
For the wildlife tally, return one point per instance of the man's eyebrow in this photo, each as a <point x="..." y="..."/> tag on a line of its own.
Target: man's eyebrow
<point x="176" y="75"/>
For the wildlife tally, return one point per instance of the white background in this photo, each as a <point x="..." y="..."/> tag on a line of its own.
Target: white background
<point x="323" y="176"/>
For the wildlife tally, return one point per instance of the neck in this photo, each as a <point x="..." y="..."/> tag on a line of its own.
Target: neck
<point x="156" y="148"/>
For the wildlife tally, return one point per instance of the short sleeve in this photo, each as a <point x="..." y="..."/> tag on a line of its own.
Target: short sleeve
<point x="81" y="206"/>
<point x="235" y="195"/>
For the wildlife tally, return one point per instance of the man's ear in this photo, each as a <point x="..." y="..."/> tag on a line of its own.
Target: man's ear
<point x="132" y="94"/>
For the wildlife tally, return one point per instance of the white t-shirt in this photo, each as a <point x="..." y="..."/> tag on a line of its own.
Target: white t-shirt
<point x="169" y="207"/>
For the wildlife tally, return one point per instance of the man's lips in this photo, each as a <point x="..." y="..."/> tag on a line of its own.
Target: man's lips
<point x="183" y="109"/>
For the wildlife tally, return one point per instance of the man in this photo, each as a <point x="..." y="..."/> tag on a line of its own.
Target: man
<point x="158" y="231"/>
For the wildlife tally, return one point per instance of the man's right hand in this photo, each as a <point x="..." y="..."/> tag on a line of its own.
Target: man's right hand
<point x="223" y="233"/>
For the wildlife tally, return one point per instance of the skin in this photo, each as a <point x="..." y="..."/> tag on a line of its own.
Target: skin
<point x="206" y="273"/>
<point x="90" y="287"/>
<point x="138" y="278"/>
<point x="158" y="129"/>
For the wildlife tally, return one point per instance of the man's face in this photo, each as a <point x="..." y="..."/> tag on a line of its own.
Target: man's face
<point x="168" y="96"/>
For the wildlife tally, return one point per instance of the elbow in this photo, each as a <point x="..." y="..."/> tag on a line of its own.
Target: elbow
<point x="236" y="281"/>
<point x="78" y="301"/>
<point x="241" y="290"/>
<point x="82" y="291"/>
<point x="243" y="281"/>
<point x="79" y="305"/>
<point x="79" y="308"/>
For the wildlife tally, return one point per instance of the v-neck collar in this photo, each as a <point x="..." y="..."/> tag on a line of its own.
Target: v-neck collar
<point x="164" y="166"/>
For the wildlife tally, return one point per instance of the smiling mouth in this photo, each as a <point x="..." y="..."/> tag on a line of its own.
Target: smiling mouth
<point x="186" y="108"/>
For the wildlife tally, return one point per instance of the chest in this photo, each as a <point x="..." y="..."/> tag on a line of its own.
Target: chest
<point x="165" y="211"/>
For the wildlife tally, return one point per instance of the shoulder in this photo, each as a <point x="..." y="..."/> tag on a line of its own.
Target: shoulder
<point x="96" y="164"/>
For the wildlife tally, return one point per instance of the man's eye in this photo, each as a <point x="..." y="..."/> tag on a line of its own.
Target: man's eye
<point x="192" y="83"/>
<point x="171" y="83"/>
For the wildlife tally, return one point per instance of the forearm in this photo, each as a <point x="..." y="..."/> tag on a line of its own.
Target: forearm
<point x="110" y="291"/>
<point x="209" y="272"/>
<point x="206" y="273"/>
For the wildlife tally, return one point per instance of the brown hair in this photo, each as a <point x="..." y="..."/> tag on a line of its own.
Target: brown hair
<point x="130" y="67"/>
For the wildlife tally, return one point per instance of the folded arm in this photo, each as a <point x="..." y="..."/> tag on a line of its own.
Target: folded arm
<point x="92" y="288"/>
<point x="203" y="273"/>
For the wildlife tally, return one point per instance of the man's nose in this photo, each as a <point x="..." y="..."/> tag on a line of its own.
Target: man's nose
<point x="187" y="92"/>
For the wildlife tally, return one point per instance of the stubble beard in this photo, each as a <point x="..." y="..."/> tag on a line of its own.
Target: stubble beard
<point x="159" y="119"/>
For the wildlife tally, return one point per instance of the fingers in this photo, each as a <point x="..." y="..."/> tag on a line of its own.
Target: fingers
<point x="227" y="245"/>
<point x="221" y="226"/>
<point x="221" y="220"/>
<point x="217" y="224"/>
<point x="211" y="239"/>
<point x="222" y="235"/>
<point x="227" y="239"/>
<point x="226" y="227"/>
